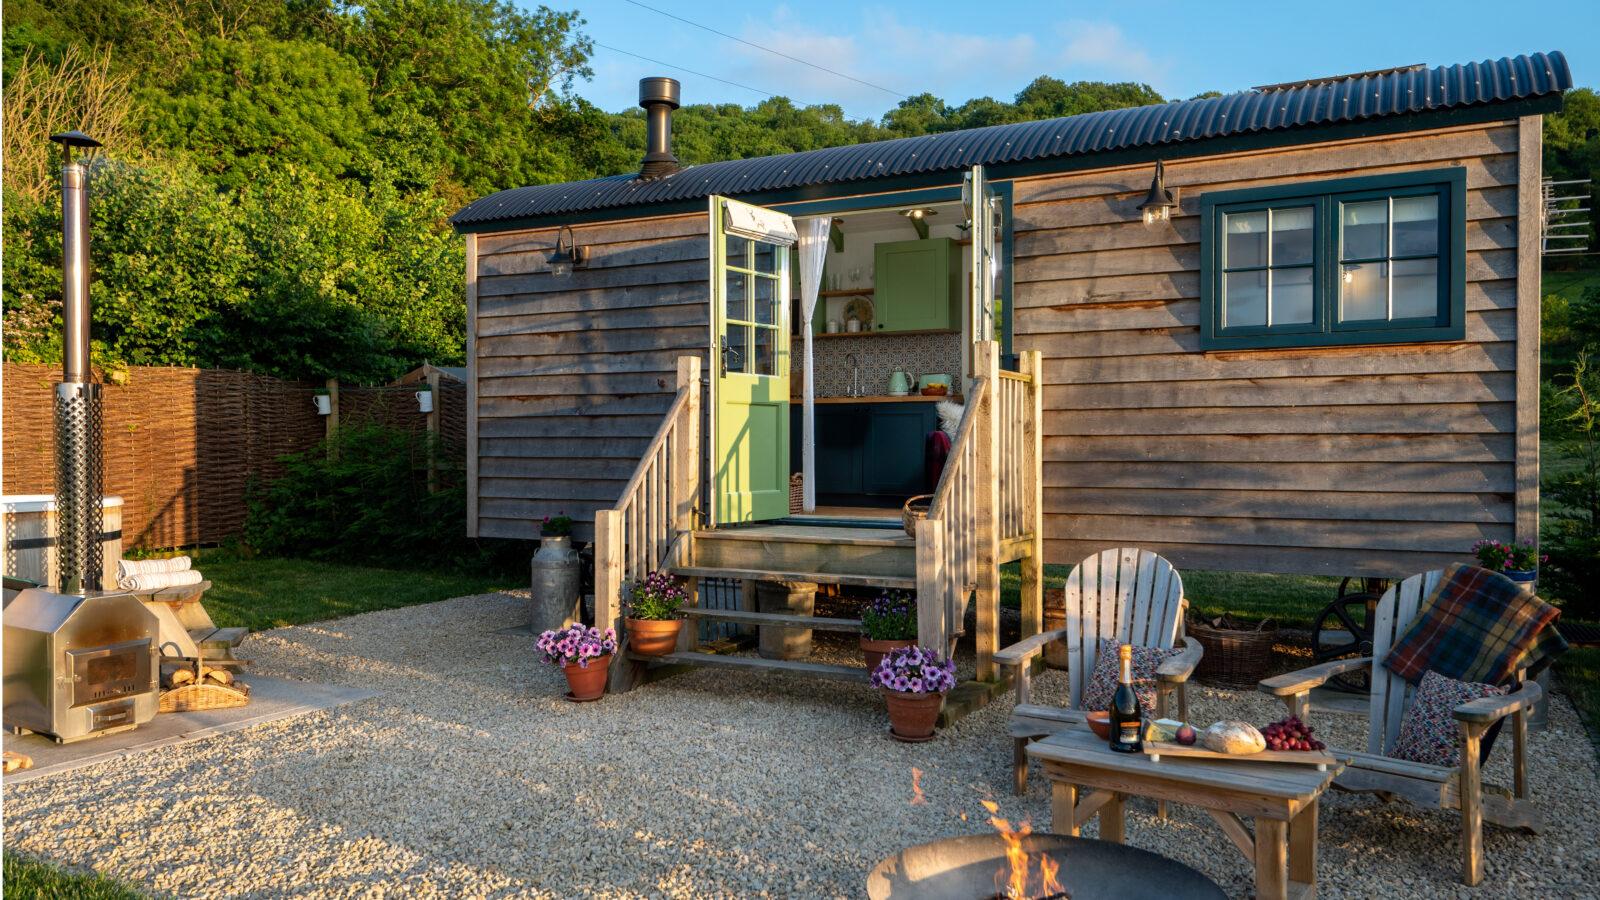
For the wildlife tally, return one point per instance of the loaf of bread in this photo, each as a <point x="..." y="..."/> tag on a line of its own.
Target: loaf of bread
<point x="1234" y="738"/>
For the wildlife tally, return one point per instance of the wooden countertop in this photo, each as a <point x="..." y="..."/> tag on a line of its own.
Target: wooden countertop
<point x="914" y="398"/>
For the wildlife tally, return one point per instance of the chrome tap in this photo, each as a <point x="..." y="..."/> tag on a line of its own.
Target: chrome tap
<point x="854" y="390"/>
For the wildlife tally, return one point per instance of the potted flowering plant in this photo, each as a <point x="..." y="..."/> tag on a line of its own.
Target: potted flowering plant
<point x="1518" y="562"/>
<point x="584" y="655"/>
<point x="888" y="623"/>
<point x="914" y="681"/>
<point x="653" y="620"/>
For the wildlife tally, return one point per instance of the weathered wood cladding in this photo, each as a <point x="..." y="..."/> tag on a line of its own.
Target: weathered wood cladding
<point x="574" y="374"/>
<point x="1380" y="460"/>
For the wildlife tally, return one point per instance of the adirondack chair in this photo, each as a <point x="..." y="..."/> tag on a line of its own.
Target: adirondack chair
<point x="1128" y="595"/>
<point x="1435" y="787"/>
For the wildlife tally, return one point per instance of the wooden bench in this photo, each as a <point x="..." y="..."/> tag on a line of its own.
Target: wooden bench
<point x="186" y="630"/>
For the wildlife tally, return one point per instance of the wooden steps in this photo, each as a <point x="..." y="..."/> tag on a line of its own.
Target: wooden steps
<point x="757" y="618"/>
<point x="883" y="581"/>
<point x="746" y="663"/>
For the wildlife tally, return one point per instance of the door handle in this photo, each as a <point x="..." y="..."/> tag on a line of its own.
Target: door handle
<point x="737" y="358"/>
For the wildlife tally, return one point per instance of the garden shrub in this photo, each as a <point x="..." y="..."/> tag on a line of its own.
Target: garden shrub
<point x="361" y="496"/>
<point x="1572" y="493"/>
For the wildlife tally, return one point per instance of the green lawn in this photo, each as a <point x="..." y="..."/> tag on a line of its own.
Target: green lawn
<point x="27" y="878"/>
<point x="1572" y="277"/>
<point x="269" y="593"/>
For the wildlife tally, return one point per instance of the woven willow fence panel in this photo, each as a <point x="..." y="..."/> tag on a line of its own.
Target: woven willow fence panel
<point x="182" y="446"/>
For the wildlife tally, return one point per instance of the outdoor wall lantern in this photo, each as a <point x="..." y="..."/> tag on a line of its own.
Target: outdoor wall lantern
<point x="570" y="257"/>
<point x="1157" y="207"/>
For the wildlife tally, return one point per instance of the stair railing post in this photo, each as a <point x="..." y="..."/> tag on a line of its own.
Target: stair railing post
<point x="932" y="586"/>
<point x="987" y="524"/>
<point x="686" y="468"/>
<point x="608" y="580"/>
<point x="1032" y="465"/>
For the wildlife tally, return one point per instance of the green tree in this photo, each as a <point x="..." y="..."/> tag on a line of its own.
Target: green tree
<point x="1572" y="146"/>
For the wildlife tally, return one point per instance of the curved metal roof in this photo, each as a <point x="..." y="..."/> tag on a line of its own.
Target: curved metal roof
<point x="1326" y="102"/>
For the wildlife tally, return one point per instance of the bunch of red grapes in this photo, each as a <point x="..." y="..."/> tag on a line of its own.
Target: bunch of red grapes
<point x="1290" y="734"/>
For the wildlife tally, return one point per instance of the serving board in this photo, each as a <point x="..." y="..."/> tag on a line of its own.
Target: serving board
<point x="1322" y="760"/>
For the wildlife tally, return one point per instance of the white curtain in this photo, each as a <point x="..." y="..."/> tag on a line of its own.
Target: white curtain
<point x="813" y="251"/>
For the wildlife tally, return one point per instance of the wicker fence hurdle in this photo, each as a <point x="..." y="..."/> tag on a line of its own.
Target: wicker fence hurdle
<point x="182" y="446"/>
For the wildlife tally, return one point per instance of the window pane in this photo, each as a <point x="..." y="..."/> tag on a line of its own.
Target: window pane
<point x="1291" y="296"/>
<point x="1246" y="294"/>
<point x="1291" y="236"/>
<point x="737" y="306"/>
<point x="764" y="360"/>
<point x="766" y="302"/>
<point x="1416" y="227"/>
<point x="766" y="257"/>
<point x="1366" y="227"/>
<point x="1247" y="239"/>
<point x="1363" y="291"/>
<point x="739" y="252"/>
<point x="735" y="350"/>
<point x="1416" y="286"/>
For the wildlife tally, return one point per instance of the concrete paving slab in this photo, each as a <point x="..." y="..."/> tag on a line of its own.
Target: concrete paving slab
<point x="271" y="698"/>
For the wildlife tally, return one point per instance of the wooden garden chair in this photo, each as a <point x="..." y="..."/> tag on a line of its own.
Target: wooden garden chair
<point x="1434" y="787"/>
<point x="1128" y="595"/>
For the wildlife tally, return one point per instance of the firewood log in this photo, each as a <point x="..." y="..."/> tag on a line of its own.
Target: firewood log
<point x="15" y="761"/>
<point x="182" y="676"/>
<point x="220" y="676"/>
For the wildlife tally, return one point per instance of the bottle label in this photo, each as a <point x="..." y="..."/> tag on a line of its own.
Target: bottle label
<point x="1128" y="733"/>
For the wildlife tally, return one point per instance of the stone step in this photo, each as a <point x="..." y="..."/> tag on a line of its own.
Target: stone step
<point x="907" y="582"/>
<point x="759" y="618"/>
<point x="747" y="663"/>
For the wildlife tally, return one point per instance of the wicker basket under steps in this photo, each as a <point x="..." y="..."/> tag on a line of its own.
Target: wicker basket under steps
<point x="915" y="510"/>
<point x="1238" y="654"/>
<point x="198" y="697"/>
<point x="797" y="492"/>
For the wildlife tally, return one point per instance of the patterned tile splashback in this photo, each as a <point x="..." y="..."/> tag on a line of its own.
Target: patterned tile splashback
<point x="878" y="355"/>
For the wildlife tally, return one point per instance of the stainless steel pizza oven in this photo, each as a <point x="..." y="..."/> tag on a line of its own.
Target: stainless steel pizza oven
<point x="79" y="665"/>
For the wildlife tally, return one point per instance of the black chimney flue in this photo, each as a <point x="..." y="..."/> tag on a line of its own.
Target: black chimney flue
<point x="659" y="97"/>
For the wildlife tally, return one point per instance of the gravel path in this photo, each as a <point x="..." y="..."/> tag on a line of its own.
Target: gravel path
<point x="469" y="777"/>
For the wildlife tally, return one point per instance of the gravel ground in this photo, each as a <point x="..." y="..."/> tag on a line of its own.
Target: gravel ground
<point x="470" y="777"/>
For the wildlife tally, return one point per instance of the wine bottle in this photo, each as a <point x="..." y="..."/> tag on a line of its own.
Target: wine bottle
<point x="1127" y="725"/>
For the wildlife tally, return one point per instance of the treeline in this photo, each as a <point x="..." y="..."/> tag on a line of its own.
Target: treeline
<point x="277" y="174"/>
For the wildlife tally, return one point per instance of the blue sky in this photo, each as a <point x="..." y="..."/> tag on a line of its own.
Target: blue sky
<point x="960" y="50"/>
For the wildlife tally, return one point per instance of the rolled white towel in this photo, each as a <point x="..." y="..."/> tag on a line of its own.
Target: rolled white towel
<point x="155" y="581"/>
<point x="127" y="567"/>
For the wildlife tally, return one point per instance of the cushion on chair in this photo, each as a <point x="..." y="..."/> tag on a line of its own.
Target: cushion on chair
<point x="1102" y="682"/>
<point x="1428" y="734"/>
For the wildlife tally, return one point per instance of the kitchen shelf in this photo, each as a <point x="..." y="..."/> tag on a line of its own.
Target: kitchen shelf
<point x="864" y="292"/>
<point x="874" y="333"/>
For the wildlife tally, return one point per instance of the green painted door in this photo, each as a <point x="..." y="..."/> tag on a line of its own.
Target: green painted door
<point x="750" y="319"/>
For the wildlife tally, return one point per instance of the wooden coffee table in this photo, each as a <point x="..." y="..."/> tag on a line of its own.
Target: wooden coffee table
<point x="1281" y="798"/>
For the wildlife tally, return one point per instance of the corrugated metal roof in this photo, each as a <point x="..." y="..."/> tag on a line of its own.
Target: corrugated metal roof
<point x="1319" y="102"/>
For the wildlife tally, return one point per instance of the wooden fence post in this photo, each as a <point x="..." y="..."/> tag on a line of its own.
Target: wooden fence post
<point x="1033" y="494"/>
<point x="433" y="432"/>
<point x="332" y="423"/>
<point x="988" y="502"/>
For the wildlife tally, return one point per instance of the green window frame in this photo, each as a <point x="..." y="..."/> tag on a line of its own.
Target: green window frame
<point x="1384" y="263"/>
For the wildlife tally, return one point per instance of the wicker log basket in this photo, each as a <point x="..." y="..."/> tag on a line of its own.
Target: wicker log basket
<point x="915" y="510"/>
<point x="797" y="493"/>
<point x="197" y="697"/>
<point x="1238" y="655"/>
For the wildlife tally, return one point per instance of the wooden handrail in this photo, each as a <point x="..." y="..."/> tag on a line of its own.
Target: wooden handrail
<point x="669" y="422"/>
<point x="941" y="491"/>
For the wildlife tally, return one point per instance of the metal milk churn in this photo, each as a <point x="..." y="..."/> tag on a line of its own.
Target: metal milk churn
<point x="555" y="584"/>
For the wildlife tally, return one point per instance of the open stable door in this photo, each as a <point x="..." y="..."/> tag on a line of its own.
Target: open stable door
<point x="983" y="209"/>
<point x="750" y="361"/>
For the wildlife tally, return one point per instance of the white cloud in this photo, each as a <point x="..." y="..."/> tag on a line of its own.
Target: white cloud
<point x="1100" y="47"/>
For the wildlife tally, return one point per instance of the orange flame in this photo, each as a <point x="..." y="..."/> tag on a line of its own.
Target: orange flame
<point x="916" y="786"/>
<point x="1012" y="882"/>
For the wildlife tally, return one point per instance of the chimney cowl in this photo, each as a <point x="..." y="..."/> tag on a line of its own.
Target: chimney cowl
<point x="659" y="96"/>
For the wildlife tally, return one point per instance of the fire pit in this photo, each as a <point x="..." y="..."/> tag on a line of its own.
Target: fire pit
<point x="978" y="867"/>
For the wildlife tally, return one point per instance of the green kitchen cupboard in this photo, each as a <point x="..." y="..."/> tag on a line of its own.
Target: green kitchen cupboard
<point x="917" y="285"/>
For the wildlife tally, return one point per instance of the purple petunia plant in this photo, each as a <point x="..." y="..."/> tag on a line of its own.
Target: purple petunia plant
<point x="1498" y="557"/>
<point x="577" y="645"/>
<point x="915" y="670"/>
<point x="890" y="617"/>
<point x="657" y="597"/>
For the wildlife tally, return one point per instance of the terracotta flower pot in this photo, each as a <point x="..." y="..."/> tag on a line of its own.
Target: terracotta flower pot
<point x="587" y="682"/>
<point x="653" y="637"/>
<point x="911" y="715"/>
<point x="874" y="651"/>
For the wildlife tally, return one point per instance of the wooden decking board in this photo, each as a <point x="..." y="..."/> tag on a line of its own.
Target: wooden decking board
<point x="810" y="670"/>
<point x="810" y="534"/>
<point x="756" y="618"/>
<point x="883" y="581"/>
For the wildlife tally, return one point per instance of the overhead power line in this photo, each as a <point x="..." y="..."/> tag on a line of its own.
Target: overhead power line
<point x="736" y="84"/>
<point x="797" y="59"/>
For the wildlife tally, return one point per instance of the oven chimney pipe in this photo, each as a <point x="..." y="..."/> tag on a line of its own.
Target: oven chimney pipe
<point x="79" y="521"/>
<point x="659" y="97"/>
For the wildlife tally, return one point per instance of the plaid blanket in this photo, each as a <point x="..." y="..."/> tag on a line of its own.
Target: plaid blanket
<point x="1477" y="626"/>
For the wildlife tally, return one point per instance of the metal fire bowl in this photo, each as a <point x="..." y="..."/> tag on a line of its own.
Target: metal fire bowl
<point x="964" y="868"/>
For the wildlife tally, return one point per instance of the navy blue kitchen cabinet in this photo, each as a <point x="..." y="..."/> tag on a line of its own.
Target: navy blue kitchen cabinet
<point x="868" y="448"/>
